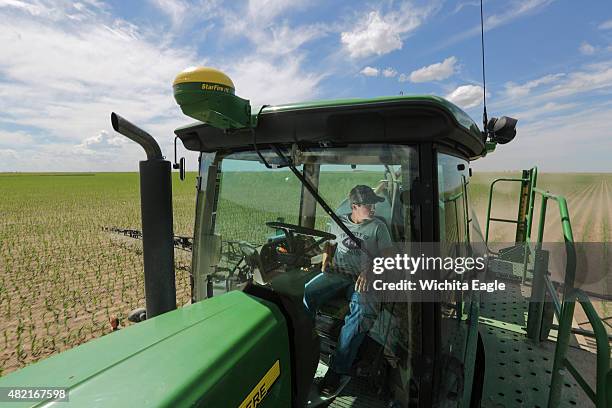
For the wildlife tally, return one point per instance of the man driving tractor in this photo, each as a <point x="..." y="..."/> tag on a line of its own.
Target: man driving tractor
<point x="344" y="270"/>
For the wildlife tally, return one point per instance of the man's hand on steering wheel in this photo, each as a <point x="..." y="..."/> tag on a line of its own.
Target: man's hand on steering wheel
<point x="291" y="229"/>
<point x="294" y="249"/>
<point x="361" y="284"/>
<point x="298" y="229"/>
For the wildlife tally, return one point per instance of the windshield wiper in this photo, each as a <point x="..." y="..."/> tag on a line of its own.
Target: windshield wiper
<point x="320" y="200"/>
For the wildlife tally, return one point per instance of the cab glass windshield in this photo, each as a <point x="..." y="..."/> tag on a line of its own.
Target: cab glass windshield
<point x="261" y="201"/>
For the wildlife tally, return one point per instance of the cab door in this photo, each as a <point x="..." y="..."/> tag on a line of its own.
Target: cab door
<point x="454" y="306"/>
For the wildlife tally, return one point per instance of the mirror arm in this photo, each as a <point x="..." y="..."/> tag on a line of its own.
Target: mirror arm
<point x="175" y="165"/>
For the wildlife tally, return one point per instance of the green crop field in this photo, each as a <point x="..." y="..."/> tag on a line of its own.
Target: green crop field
<point x="589" y="197"/>
<point x="278" y="195"/>
<point x="62" y="276"/>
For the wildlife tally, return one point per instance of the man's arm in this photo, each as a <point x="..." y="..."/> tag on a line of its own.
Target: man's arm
<point x="384" y="248"/>
<point x="329" y="249"/>
<point x="384" y="242"/>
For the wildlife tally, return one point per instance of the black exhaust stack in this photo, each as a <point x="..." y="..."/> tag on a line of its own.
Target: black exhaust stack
<point x="157" y="228"/>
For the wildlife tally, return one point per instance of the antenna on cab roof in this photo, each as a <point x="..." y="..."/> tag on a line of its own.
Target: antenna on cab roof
<point x="496" y="130"/>
<point x="484" y="82"/>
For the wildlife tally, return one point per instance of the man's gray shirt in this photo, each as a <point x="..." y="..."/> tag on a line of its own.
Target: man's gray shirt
<point x="374" y="236"/>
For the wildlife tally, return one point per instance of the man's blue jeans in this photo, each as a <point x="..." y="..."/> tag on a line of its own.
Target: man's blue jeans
<point x="324" y="287"/>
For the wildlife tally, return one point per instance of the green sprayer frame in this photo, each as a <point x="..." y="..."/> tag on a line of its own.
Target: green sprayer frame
<point x="542" y="287"/>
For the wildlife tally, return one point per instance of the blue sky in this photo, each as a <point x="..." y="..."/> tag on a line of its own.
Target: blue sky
<point x="64" y="66"/>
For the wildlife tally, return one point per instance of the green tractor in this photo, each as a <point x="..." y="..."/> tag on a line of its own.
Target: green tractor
<point x="271" y="186"/>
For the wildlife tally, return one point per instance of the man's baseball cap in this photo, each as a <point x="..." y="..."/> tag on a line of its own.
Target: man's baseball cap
<point x="362" y="194"/>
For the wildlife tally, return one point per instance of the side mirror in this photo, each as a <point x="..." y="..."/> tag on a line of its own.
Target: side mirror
<point x="182" y="168"/>
<point x="180" y="165"/>
<point x="502" y="130"/>
<point x="138" y="315"/>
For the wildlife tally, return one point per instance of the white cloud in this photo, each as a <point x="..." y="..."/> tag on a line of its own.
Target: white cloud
<point x="515" y="10"/>
<point x="260" y="22"/>
<point x="265" y="11"/>
<point x="273" y="72"/>
<point x="370" y="71"/>
<point x="88" y="71"/>
<point x="586" y="48"/>
<point x="466" y="96"/>
<point x="561" y="118"/>
<point x="79" y="68"/>
<point x="58" y="10"/>
<point x="373" y="37"/>
<point x="595" y="77"/>
<point x="517" y="91"/>
<point x="34" y="9"/>
<point x="389" y="72"/>
<point x="15" y="139"/>
<point x="557" y="95"/>
<point x="578" y="140"/>
<point x="261" y="26"/>
<point x="461" y="5"/>
<point x="606" y="25"/>
<point x="103" y="141"/>
<point x="194" y="19"/>
<point x="538" y="112"/>
<point x="282" y="39"/>
<point x="175" y="9"/>
<point x="379" y="34"/>
<point x="518" y="9"/>
<point x="8" y="154"/>
<point x="269" y="83"/>
<point x="435" y="72"/>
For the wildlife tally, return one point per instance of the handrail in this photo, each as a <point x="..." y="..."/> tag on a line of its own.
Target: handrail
<point x="491" y="201"/>
<point x="556" y="302"/>
<point x="565" y="314"/>
<point x="532" y="176"/>
<point x="568" y="236"/>
<point x="564" y="310"/>
<point x="598" y="396"/>
<point x="532" y="179"/>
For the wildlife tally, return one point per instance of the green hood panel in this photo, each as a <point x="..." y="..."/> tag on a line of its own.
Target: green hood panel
<point x="221" y="348"/>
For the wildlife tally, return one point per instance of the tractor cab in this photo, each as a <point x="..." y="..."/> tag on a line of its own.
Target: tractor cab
<point x="277" y="190"/>
<point x="271" y="191"/>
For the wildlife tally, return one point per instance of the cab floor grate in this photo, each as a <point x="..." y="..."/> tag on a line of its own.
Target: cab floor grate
<point x="357" y="394"/>
<point x="518" y="371"/>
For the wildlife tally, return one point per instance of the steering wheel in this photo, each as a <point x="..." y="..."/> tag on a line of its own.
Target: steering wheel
<point x="298" y="229"/>
<point x="290" y="230"/>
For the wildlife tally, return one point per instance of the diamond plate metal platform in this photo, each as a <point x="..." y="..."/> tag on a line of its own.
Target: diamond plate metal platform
<point x="518" y="371"/>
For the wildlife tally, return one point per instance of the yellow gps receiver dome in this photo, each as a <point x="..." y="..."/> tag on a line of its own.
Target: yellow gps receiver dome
<point x="207" y="94"/>
<point x="205" y="75"/>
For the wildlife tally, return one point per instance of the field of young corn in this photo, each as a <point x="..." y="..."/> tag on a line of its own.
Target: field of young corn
<point x="62" y="277"/>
